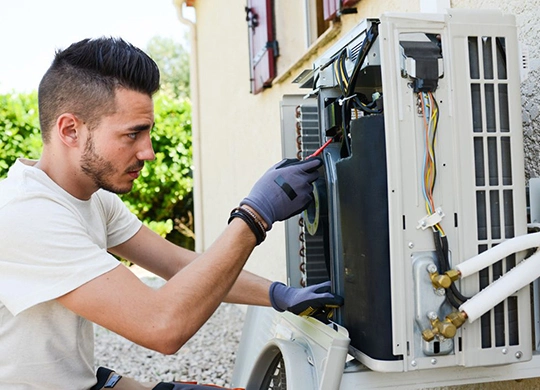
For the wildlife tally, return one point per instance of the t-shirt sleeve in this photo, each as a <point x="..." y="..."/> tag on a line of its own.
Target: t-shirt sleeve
<point x="63" y="254"/>
<point x="122" y="224"/>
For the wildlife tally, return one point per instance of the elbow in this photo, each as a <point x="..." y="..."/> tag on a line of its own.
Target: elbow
<point x="168" y="339"/>
<point x="168" y="348"/>
<point x="166" y="345"/>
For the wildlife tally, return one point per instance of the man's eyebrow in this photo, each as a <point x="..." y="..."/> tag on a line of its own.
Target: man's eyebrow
<point x="141" y="127"/>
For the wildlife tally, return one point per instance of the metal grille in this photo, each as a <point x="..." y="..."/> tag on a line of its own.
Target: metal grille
<point x="493" y="177"/>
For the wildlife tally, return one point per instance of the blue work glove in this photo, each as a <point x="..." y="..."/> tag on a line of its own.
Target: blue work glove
<point x="284" y="190"/>
<point x="309" y="301"/>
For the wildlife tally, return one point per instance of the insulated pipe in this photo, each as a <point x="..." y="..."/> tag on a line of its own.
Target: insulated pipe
<point x="502" y="250"/>
<point x="518" y="277"/>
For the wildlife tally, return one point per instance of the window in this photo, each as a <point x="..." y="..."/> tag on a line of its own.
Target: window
<point x="263" y="48"/>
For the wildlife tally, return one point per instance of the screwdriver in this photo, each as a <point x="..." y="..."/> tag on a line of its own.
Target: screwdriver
<point x="319" y="151"/>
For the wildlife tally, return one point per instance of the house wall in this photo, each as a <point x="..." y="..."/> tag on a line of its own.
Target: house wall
<point x="240" y="134"/>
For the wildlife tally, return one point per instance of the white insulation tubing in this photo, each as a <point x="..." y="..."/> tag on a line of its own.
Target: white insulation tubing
<point x="502" y="250"/>
<point x="518" y="277"/>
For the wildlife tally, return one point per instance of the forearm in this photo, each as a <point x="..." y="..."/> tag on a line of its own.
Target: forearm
<point x="205" y="282"/>
<point x="164" y="319"/>
<point x="249" y="289"/>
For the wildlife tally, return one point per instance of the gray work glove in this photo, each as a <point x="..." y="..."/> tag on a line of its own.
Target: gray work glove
<point x="316" y="301"/>
<point x="284" y="190"/>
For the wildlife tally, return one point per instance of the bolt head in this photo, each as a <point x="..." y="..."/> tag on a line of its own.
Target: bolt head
<point x="440" y="292"/>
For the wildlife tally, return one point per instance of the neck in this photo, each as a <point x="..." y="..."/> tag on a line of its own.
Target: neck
<point x="67" y="174"/>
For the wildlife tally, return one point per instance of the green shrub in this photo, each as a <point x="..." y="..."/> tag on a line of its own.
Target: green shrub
<point x="164" y="193"/>
<point x="162" y="197"/>
<point x="19" y="129"/>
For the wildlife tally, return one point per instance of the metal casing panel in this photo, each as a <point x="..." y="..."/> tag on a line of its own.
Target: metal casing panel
<point x="457" y="189"/>
<point x="364" y="227"/>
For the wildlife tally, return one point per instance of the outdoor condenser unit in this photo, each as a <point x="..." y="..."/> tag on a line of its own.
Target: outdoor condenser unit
<point x="424" y="172"/>
<point x="419" y="217"/>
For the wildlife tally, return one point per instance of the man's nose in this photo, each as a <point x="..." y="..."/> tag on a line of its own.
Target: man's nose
<point x="147" y="151"/>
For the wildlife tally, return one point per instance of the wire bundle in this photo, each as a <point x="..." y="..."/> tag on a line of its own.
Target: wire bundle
<point x="430" y="115"/>
<point x="353" y="105"/>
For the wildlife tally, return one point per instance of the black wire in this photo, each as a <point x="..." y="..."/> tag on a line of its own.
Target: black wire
<point x="371" y="35"/>
<point x="453" y="287"/>
<point x="452" y="299"/>
<point x="358" y="104"/>
<point x="443" y="260"/>
<point x="345" y="121"/>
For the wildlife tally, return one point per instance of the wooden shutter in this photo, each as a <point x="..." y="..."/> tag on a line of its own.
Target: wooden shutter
<point x="334" y="8"/>
<point x="263" y="48"/>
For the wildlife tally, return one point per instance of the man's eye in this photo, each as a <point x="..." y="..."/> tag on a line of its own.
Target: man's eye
<point x="133" y="135"/>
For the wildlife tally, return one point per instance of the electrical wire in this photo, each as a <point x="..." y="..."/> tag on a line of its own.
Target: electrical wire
<point x="349" y="101"/>
<point x="430" y="115"/>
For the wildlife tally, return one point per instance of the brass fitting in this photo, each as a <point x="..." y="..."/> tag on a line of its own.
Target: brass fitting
<point x="457" y="318"/>
<point x="453" y="274"/>
<point x="440" y="281"/>
<point x="443" y="328"/>
<point x="428" y="335"/>
<point x="445" y="280"/>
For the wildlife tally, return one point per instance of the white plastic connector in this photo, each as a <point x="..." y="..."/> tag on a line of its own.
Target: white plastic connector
<point x="431" y="220"/>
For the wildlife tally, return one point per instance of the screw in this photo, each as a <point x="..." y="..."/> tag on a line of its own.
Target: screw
<point x="432" y="315"/>
<point x="413" y="363"/>
<point x="411" y="245"/>
<point x="440" y="292"/>
<point x="431" y="268"/>
<point x="504" y="351"/>
<point x="519" y="355"/>
<point x="433" y="361"/>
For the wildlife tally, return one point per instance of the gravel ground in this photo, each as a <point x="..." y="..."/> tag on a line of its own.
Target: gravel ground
<point x="208" y="357"/>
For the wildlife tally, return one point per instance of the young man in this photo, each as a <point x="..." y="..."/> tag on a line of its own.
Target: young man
<point x="60" y="218"/>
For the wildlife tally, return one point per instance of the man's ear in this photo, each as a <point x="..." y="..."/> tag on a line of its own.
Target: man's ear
<point x="68" y="128"/>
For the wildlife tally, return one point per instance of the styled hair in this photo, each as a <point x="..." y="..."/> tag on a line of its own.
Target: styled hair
<point x="83" y="79"/>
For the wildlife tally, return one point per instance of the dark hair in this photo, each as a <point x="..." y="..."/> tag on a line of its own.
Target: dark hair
<point x="83" y="79"/>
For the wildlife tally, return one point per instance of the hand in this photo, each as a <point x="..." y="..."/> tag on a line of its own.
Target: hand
<point x="308" y="301"/>
<point x="284" y="190"/>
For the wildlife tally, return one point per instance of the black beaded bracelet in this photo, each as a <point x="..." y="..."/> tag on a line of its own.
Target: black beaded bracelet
<point x="251" y="220"/>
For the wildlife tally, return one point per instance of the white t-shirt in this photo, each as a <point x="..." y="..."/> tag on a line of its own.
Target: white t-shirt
<point x="50" y="244"/>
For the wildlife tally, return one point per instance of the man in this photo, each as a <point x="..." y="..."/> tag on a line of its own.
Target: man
<point x="60" y="218"/>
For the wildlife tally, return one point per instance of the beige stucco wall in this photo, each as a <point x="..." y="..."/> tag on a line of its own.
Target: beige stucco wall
<point x="240" y="134"/>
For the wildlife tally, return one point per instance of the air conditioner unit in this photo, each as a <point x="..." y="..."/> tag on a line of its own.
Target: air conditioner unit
<point x="424" y="173"/>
